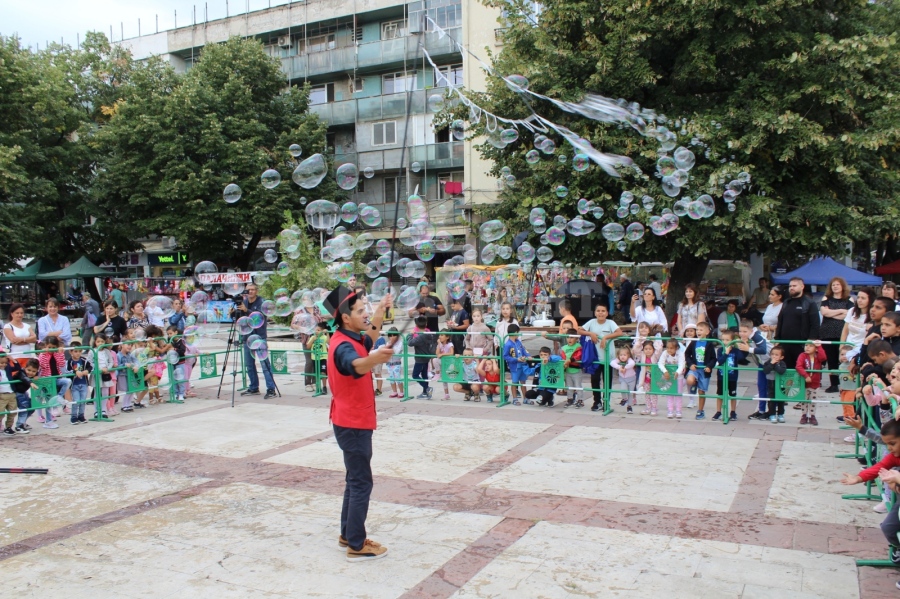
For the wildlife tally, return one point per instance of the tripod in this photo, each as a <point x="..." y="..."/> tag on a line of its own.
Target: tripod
<point x="230" y="351"/>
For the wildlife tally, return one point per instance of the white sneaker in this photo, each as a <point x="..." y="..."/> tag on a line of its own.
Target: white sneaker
<point x="51" y="424"/>
<point x="180" y="398"/>
<point x="881" y="508"/>
<point x="850" y="439"/>
<point x="310" y="388"/>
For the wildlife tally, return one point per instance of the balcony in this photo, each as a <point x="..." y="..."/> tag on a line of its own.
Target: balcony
<point x="336" y="113"/>
<point x="438" y="156"/>
<point x="376" y="108"/>
<point x="370" y="56"/>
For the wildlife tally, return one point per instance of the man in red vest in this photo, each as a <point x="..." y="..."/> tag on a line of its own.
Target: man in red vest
<point x="353" y="410"/>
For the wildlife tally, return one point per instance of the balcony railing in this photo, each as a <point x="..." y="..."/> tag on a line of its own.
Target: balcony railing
<point x="439" y="156"/>
<point x="370" y="55"/>
<point x="375" y="108"/>
<point x="431" y="156"/>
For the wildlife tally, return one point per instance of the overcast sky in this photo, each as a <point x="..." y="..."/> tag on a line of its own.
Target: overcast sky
<point x="37" y="21"/>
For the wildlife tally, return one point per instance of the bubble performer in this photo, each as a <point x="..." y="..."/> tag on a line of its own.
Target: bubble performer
<point x="351" y="361"/>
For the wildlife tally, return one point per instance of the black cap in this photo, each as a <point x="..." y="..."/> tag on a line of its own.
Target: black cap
<point x="338" y="302"/>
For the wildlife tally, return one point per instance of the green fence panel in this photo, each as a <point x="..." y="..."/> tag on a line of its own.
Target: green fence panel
<point x="790" y="386"/>
<point x="452" y="369"/>
<point x="135" y="380"/>
<point x="208" y="367"/>
<point x="659" y="384"/>
<point x="552" y="375"/>
<point x="279" y="361"/>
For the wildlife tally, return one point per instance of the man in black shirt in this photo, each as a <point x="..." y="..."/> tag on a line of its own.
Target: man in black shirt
<point x="798" y="320"/>
<point x="626" y="290"/>
<point x="253" y="303"/>
<point x="430" y="307"/>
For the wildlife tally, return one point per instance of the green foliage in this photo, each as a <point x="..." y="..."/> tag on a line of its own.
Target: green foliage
<point x="802" y="94"/>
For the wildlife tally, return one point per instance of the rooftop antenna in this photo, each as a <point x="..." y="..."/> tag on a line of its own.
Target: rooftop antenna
<point x="157" y="23"/>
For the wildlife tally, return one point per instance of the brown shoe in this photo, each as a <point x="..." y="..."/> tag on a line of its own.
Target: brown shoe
<point x="370" y="550"/>
<point x="342" y="542"/>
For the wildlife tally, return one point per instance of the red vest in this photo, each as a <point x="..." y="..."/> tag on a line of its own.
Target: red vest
<point x="353" y="399"/>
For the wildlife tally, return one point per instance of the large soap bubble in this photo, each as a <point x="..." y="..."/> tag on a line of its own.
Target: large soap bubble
<point x="634" y="231"/>
<point x="295" y="150"/>
<point x="310" y="172"/>
<point x="270" y="178"/>
<point x="370" y="216"/>
<point x="458" y="129"/>
<point x="544" y="254"/>
<point x="492" y="230"/>
<point x="488" y="253"/>
<point x="556" y="235"/>
<point x="349" y="212"/>
<point x="232" y="193"/>
<point x="304" y="322"/>
<point x="684" y="159"/>
<point x="510" y="135"/>
<point x="532" y="157"/>
<point x="443" y="241"/>
<point x="666" y="166"/>
<point x="613" y="232"/>
<point x="270" y="256"/>
<point x="347" y="176"/>
<point x="537" y="216"/>
<point x="425" y="250"/>
<point x="526" y="252"/>
<point x="323" y="215"/>
<point x="408" y="299"/>
<point x="159" y="306"/>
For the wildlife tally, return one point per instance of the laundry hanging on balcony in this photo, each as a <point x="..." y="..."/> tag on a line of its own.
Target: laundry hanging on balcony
<point x="453" y="187"/>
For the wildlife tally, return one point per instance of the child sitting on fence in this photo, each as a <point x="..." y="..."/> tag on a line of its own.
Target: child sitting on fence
<point x="516" y="357"/>
<point x="543" y="395"/>
<point x="472" y="387"/>
<point x="489" y="371"/>
<point x="623" y="366"/>
<point x="395" y="364"/>
<point x="672" y="357"/>
<point x="812" y="358"/>
<point x="773" y="367"/>
<point x="444" y="348"/>
<point x="422" y="343"/>
<point x="82" y="370"/>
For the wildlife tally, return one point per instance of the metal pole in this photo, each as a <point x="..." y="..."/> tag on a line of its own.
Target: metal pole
<point x="139" y="28"/>
<point x="157" y="23"/>
<point x="121" y="30"/>
<point x="176" y="19"/>
<point x="226" y="9"/>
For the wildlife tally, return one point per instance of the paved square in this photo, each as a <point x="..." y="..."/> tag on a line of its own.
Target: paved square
<point x="423" y="447"/>
<point x="563" y="560"/>
<point x="807" y="486"/>
<point x="230" y="432"/>
<point x="73" y="491"/>
<point x="668" y="469"/>
<point x="244" y="540"/>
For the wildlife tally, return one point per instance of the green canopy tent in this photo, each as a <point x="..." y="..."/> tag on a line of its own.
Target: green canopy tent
<point x="29" y="273"/>
<point x="80" y="269"/>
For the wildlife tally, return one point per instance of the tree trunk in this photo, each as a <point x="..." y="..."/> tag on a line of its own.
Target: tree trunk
<point x="686" y="269"/>
<point x="247" y="255"/>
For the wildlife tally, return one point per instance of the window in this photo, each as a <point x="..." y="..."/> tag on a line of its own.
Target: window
<point x="446" y="177"/>
<point x="447" y="16"/>
<point x="356" y="85"/>
<point x="320" y="43"/>
<point x="384" y="134"/>
<point x="449" y="75"/>
<point x="393" y="29"/>
<point x="394" y="189"/>
<point x="321" y="94"/>
<point x="394" y="83"/>
<point x="331" y="140"/>
<point x="442" y="135"/>
<point x="361" y="186"/>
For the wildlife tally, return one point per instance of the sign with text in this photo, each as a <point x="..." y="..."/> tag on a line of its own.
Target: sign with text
<point x="168" y="259"/>
<point x="221" y="278"/>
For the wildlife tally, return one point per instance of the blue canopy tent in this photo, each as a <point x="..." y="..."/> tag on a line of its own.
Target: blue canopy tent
<point x="819" y="271"/>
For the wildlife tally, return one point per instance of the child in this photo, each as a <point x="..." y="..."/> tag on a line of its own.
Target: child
<point x="422" y="343"/>
<point x="516" y="357"/>
<point x="773" y="366"/>
<point x="755" y="346"/>
<point x="601" y="330"/>
<point x="7" y="397"/>
<point x="729" y="354"/>
<point x="644" y="333"/>
<point x="648" y="357"/>
<point x="395" y="364"/>
<point x="812" y="358"/>
<point x="458" y="323"/>
<point x="82" y="369"/>
<point x="156" y="367"/>
<point x="672" y="356"/>
<point x="624" y="365"/>
<point x="472" y="386"/>
<point x="571" y="355"/>
<point x="32" y="371"/>
<point x="847" y="384"/>
<point x="53" y="364"/>
<point x="700" y="359"/>
<point x="566" y="322"/>
<point x="543" y="395"/>
<point x="501" y="328"/>
<point x="478" y="335"/>
<point x="318" y="344"/>
<point x="105" y="364"/>
<point x="489" y="371"/>
<point x="20" y="383"/>
<point x="690" y="334"/>
<point x="175" y="342"/>
<point x="378" y="369"/>
<point x="444" y="348"/>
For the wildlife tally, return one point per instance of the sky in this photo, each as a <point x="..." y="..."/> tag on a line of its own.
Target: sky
<point x="38" y="21"/>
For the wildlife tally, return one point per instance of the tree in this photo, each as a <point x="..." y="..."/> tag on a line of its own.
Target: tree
<point x="174" y="142"/>
<point x="802" y="94"/>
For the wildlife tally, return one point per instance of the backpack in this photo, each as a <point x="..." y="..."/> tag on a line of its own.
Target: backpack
<point x="589" y="355"/>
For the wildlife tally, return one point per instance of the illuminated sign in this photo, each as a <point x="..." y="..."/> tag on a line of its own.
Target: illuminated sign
<point x="168" y="259"/>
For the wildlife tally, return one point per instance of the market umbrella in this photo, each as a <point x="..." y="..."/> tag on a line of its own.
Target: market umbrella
<point x="580" y="287"/>
<point x="80" y="269"/>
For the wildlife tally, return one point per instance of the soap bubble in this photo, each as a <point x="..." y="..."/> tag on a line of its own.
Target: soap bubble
<point x="525" y="253"/>
<point x="347" y="176"/>
<point x="743" y="177"/>
<point x="695" y="210"/>
<point x="578" y="227"/>
<point x="622" y="211"/>
<point x="310" y="172"/>
<point x="735" y="187"/>
<point x="537" y="216"/>
<point x="268" y="308"/>
<point x="322" y="215"/>
<point x="494" y="138"/>
<point x="372" y="269"/>
<point x="289" y="239"/>
<point x="280" y="292"/>
<point x="548" y="147"/>
<point x="562" y="159"/>
<point x="342" y="271"/>
<point x="680" y="177"/>
<point x="669" y="188"/>
<point x="380" y="288"/>
<point x="532" y="157"/>
<point x="555" y="235"/>
<point x="648" y="203"/>
<point x="435" y="102"/>
<point x="257" y="319"/>
<point x="613" y="232"/>
<point x="729" y="196"/>
<point x="283" y="269"/>
<point x="732" y="207"/>
<point x="544" y="254"/>
<point x="684" y="159"/>
<point x="270" y="178"/>
<point x="516" y="82"/>
<point x="283" y="306"/>
<point x="172" y="357"/>
<point x="505" y="171"/>
<point x="597" y="212"/>
<point x="382" y="247"/>
<point x="408" y="299"/>
<point x="160" y="306"/>
<point x="539" y="140"/>
<point x="470" y="255"/>
<point x="666" y="166"/>
<point x="544" y="239"/>
<point x="504" y="251"/>
<point x="621" y="246"/>
<point x="634" y="231"/>
<point x="488" y="253"/>
<point x="198" y="300"/>
<point x="584" y="206"/>
<point x="492" y="230"/>
<point x="562" y="191"/>
<point x="668" y="142"/>
<point x="680" y="208"/>
<point x="364" y="241"/>
<point x="303" y="200"/>
<point x="368" y="172"/>
<point x="370" y="216"/>
<point x="510" y="180"/>
<point x="581" y="162"/>
<point x="243" y="325"/>
<point x="626" y="198"/>
<point x="456" y="289"/>
<point x="425" y="250"/>
<point x="540" y="228"/>
<point x="708" y="205"/>
<point x="384" y="263"/>
<point x="458" y="129"/>
<point x="304" y="322"/>
<point x="232" y="193"/>
<point x="295" y="150"/>
<point x="270" y="256"/>
<point x="443" y="241"/>
<point x="510" y="135"/>
<point x="261" y="353"/>
<point x="415" y="167"/>
<point x="401" y="223"/>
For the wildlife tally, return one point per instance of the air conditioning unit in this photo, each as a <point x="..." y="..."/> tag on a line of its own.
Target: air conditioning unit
<point x="284" y="41"/>
<point x="171" y="243"/>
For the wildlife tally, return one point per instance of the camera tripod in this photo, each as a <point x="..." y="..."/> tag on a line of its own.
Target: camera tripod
<point x="233" y="348"/>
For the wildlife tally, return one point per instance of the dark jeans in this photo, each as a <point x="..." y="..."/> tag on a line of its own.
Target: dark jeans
<point x="833" y="353"/>
<point x="356" y="443"/>
<point x="542" y="395"/>
<point x="420" y="373"/>
<point x="597" y="384"/>
<point x="890" y="526"/>
<point x="250" y="364"/>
